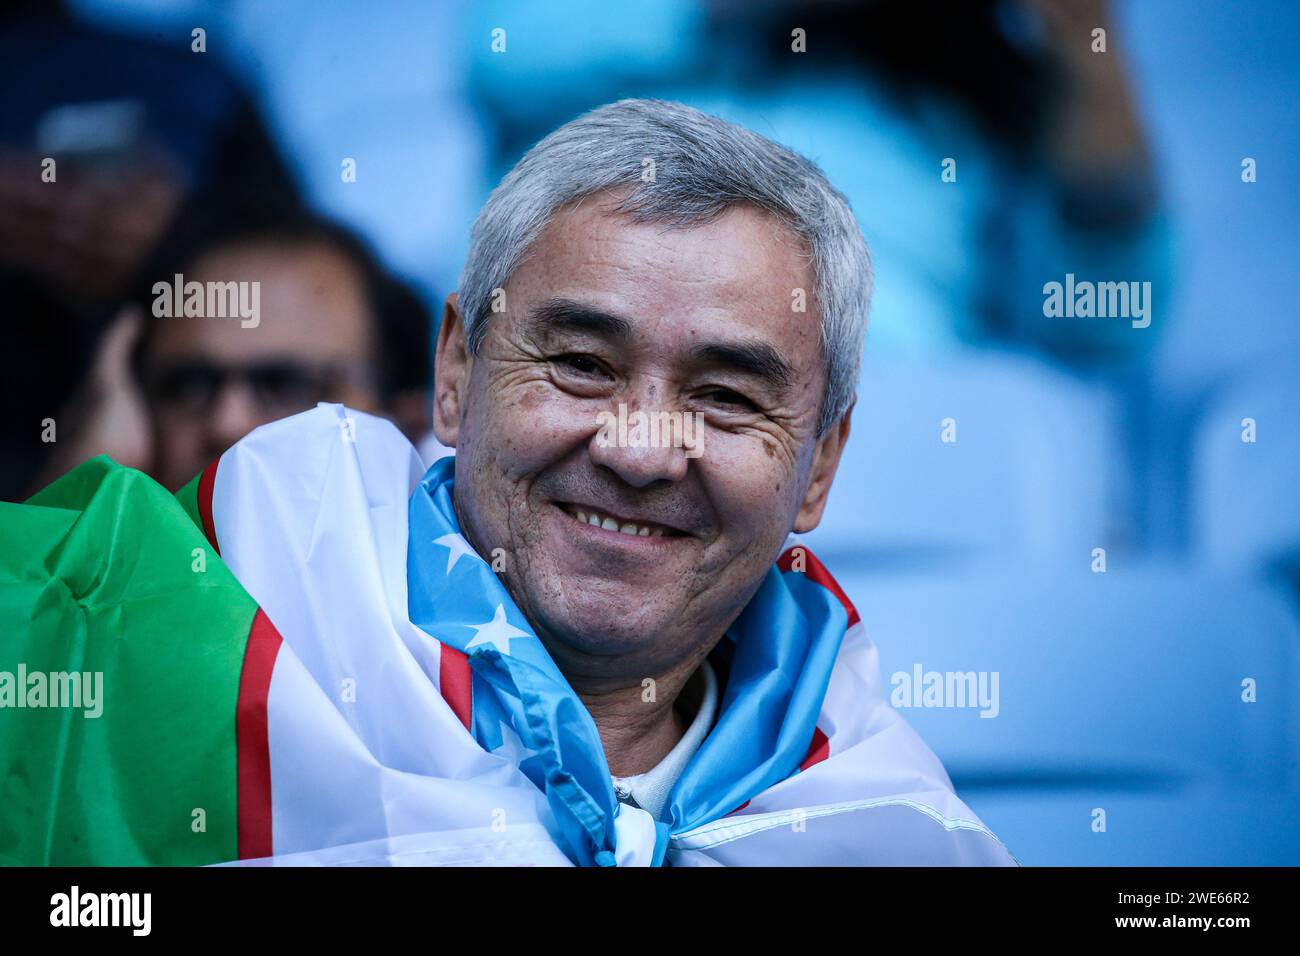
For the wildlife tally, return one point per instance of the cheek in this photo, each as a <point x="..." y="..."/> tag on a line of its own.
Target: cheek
<point x="752" y="485"/>
<point x="522" y="431"/>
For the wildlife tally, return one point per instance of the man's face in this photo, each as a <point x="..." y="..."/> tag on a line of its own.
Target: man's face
<point x="695" y="321"/>
<point x="213" y="380"/>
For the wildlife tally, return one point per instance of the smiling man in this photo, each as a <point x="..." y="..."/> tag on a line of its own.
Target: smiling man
<point x="608" y="312"/>
<point x="561" y="644"/>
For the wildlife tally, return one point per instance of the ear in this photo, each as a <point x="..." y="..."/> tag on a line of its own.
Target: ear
<point x="451" y="369"/>
<point x="826" y="459"/>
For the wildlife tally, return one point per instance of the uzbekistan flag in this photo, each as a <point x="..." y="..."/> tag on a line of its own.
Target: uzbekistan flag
<point x="299" y="660"/>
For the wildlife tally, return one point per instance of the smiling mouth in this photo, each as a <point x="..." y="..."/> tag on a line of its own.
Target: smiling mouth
<point x="611" y="522"/>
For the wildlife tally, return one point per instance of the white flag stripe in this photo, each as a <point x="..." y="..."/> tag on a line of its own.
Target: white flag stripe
<point x="363" y="746"/>
<point x="365" y="752"/>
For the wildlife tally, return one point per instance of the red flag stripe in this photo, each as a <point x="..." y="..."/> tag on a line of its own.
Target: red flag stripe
<point x="207" y="482"/>
<point x="818" y="751"/>
<point x="456" y="683"/>
<point x="817" y="572"/>
<point x="251" y="739"/>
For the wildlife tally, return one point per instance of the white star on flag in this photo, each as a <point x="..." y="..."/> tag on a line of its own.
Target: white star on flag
<point x="498" y="632"/>
<point x="512" y="746"/>
<point x="458" y="547"/>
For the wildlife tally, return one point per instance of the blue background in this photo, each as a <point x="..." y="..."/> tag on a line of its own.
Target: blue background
<point x="1120" y="691"/>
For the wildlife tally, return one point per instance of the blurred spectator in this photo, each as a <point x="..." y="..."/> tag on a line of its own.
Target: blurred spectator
<point x="1050" y="171"/>
<point x="134" y="130"/>
<point x="170" y="393"/>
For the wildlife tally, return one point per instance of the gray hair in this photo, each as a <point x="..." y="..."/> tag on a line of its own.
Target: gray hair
<point x="702" y="166"/>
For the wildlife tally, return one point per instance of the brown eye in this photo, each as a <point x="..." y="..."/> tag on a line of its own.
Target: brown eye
<point x="729" y="399"/>
<point x="585" y="365"/>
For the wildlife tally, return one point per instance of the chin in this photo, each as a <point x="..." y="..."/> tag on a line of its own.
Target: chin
<point x="594" y="627"/>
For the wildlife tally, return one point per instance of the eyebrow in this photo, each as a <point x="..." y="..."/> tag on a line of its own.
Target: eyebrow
<point x="755" y="359"/>
<point x="565" y="315"/>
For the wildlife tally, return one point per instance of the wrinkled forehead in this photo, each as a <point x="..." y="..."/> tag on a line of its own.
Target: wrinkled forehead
<point x="742" y="276"/>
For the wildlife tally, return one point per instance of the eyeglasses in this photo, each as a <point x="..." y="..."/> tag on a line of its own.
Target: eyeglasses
<point x="280" y="387"/>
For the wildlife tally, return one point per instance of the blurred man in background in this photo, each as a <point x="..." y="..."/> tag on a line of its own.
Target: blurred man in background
<point x="104" y="139"/>
<point x="169" y="393"/>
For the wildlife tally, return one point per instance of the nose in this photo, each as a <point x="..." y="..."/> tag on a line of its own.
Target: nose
<point x="642" y="443"/>
<point x="233" y="415"/>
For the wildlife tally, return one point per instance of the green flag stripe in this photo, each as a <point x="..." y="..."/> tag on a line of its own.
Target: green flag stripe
<point x="104" y="575"/>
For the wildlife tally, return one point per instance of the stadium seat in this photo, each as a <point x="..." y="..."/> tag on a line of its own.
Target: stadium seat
<point x="1246" y="494"/>
<point x="1028" y="475"/>
<point x="1122" y="689"/>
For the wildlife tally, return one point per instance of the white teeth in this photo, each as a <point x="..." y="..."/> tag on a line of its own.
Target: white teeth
<point x="609" y="524"/>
